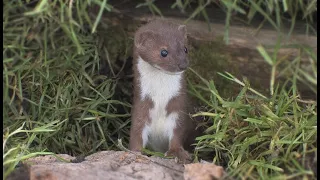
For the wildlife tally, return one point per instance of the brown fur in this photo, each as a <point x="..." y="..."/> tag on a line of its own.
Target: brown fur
<point x="149" y="41"/>
<point x="158" y="35"/>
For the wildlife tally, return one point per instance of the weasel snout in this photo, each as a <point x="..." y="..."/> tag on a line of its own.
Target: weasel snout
<point x="183" y="65"/>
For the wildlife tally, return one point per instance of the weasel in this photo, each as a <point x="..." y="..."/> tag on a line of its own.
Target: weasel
<point x="159" y="117"/>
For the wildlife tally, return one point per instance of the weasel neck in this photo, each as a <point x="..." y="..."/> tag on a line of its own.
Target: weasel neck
<point x="156" y="84"/>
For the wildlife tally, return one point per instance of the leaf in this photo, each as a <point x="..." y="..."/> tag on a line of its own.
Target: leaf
<point x="265" y="55"/>
<point x="262" y="164"/>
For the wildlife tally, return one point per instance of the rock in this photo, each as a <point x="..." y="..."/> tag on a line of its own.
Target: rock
<point x="207" y="171"/>
<point x="106" y="165"/>
<point x="109" y="165"/>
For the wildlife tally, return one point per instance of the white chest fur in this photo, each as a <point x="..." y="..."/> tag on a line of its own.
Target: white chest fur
<point x="160" y="88"/>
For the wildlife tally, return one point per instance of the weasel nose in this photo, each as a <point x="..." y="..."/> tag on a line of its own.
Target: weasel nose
<point x="183" y="65"/>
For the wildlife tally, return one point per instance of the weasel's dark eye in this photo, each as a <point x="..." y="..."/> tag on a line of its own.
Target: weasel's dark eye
<point x="185" y="50"/>
<point x="164" y="53"/>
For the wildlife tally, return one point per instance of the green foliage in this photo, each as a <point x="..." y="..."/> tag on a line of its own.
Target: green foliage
<point x="256" y="135"/>
<point x="53" y="84"/>
<point x="274" y="12"/>
<point x="271" y="137"/>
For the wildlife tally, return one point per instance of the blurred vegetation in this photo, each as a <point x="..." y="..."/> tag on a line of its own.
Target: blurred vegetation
<point x="67" y="86"/>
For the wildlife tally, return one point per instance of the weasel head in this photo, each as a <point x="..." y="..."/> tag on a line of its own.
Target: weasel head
<point x="163" y="45"/>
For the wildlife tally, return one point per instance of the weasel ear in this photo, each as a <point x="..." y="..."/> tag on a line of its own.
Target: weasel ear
<point x="183" y="29"/>
<point x="141" y="38"/>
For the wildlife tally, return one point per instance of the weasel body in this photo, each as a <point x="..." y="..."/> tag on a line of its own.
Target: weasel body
<point x="159" y="117"/>
<point x="161" y="88"/>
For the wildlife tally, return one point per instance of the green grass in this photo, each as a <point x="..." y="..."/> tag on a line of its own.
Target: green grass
<point x="53" y="84"/>
<point x="273" y="137"/>
<point x="256" y="135"/>
<point x="64" y="92"/>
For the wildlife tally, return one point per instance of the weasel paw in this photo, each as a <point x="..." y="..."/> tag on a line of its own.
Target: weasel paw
<point x="182" y="155"/>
